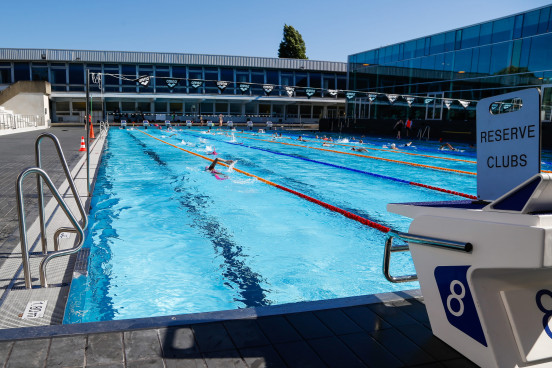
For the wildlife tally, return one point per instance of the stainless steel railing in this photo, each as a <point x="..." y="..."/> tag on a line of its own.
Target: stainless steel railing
<point x="419" y="239"/>
<point x="23" y="227"/>
<point x="78" y="228"/>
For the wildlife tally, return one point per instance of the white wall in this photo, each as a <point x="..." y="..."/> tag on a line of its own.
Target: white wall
<point x="30" y="104"/>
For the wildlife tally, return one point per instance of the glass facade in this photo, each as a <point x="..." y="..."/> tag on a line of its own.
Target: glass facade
<point x="469" y="63"/>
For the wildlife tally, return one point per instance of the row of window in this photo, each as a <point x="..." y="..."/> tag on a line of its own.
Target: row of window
<point x="521" y="62"/>
<point x="518" y="26"/>
<point x="77" y="108"/>
<point x="71" y="77"/>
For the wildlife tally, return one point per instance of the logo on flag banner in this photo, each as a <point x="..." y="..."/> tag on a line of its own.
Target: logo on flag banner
<point x="464" y="103"/>
<point x="144" y="81"/>
<point x="171" y="83"/>
<point x="196" y="83"/>
<point x="448" y="103"/>
<point x="409" y="100"/>
<point x="372" y="97"/>
<point x="392" y="98"/>
<point x="267" y="88"/>
<point x="222" y="85"/>
<point x="244" y="87"/>
<point x="289" y="91"/>
<point x="350" y="95"/>
<point x="332" y="92"/>
<point x="310" y="92"/>
<point x="428" y="100"/>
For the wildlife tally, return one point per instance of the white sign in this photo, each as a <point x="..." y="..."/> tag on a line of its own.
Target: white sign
<point x="35" y="309"/>
<point x="508" y="144"/>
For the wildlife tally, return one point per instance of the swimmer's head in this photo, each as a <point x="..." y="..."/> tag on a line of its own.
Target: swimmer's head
<point x="393" y="145"/>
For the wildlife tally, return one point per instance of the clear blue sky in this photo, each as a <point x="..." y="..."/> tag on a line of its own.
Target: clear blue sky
<point x="331" y="29"/>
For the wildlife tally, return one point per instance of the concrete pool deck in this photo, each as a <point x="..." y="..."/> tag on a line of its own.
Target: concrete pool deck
<point x="384" y="330"/>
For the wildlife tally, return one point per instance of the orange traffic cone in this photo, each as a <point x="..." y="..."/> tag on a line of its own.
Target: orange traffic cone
<point x="92" y="131"/>
<point x="82" y="147"/>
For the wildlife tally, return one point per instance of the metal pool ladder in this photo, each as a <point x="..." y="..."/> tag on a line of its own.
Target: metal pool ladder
<point x="77" y="228"/>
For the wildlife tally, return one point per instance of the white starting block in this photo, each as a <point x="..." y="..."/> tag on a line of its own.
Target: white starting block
<point x="145" y="124"/>
<point x="249" y="124"/>
<point x="269" y="125"/>
<point x="229" y="123"/>
<point x="488" y="286"/>
<point x="188" y="123"/>
<point x="210" y="123"/>
<point x="168" y="123"/>
<point x="485" y="267"/>
<point x="123" y="124"/>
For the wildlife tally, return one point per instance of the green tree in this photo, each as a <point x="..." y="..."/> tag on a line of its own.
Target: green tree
<point x="292" y="46"/>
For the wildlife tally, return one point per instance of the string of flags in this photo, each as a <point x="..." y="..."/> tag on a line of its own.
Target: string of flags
<point x="244" y="88"/>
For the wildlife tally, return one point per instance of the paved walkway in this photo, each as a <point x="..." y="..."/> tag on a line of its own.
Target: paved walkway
<point x="394" y="333"/>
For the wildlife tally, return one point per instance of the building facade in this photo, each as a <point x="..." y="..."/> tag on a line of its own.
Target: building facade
<point x="468" y="63"/>
<point x="118" y="92"/>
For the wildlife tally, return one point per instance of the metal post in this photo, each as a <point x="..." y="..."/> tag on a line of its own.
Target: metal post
<point x="87" y="132"/>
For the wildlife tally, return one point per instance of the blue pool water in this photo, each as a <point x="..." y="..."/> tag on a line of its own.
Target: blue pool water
<point x="167" y="237"/>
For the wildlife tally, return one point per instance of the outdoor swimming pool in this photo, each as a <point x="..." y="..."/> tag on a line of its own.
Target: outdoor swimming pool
<point x="167" y="237"/>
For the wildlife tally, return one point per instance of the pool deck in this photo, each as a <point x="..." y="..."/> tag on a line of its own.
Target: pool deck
<point x="384" y="330"/>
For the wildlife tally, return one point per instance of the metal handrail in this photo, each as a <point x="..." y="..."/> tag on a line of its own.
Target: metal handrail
<point x="418" y="239"/>
<point x="23" y="227"/>
<point x="40" y="192"/>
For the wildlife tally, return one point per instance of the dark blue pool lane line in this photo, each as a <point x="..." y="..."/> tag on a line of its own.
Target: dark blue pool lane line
<point x="235" y="272"/>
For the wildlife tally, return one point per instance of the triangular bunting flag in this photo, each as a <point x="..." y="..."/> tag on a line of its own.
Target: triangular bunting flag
<point x="392" y="98"/>
<point x="171" y="83"/>
<point x="409" y="100"/>
<point x="428" y="100"/>
<point x="289" y="91"/>
<point x="350" y="95"/>
<point x="332" y="92"/>
<point x="267" y="88"/>
<point x="222" y="85"/>
<point x="372" y="97"/>
<point x="464" y="103"/>
<point x="196" y="83"/>
<point x="244" y="87"/>
<point x="310" y="92"/>
<point x="448" y="103"/>
<point x="144" y="81"/>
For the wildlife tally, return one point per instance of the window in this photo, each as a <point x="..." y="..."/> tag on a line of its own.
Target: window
<point x="518" y="26"/>
<point x="21" y="72"/>
<point x="76" y="74"/>
<point x="503" y="29"/>
<point x="484" y="63"/>
<point x="211" y="78"/>
<point x="206" y="108"/>
<point x="180" y="72"/>
<point x="500" y="58"/>
<point x="176" y="107"/>
<point x="5" y="75"/>
<point x="437" y="44"/>
<point x="485" y="36"/>
<point x="39" y="73"/>
<point x="543" y="20"/>
<point x="160" y="107"/>
<point x="409" y="50"/>
<point x="449" y="41"/>
<point x="462" y="61"/>
<point x="541" y="53"/>
<point x="530" y="23"/>
<point x="470" y="37"/>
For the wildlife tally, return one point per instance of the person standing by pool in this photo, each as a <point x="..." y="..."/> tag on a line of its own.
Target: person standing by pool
<point x="398" y="128"/>
<point x="408" y="127"/>
<point x="220" y="120"/>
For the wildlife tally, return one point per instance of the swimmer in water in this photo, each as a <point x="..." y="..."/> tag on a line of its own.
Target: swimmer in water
<point x="394" y="146"/>
<point x="359" y="149"/>
<point x="218" y="174"/>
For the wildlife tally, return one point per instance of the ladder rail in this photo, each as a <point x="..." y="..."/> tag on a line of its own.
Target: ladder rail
<point x="40" y="193"/>
<point x="23" y="227"/>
